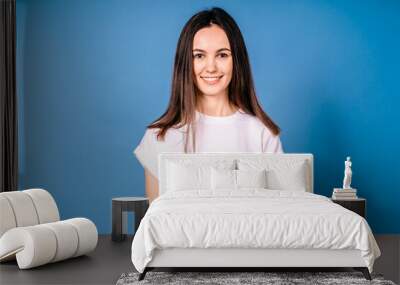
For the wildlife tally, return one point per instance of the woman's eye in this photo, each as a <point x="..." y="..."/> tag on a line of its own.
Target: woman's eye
<point x="223" y="55"/>
<point x="199" y="55"/>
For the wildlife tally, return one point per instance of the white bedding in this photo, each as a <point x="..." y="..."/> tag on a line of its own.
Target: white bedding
<point x="251" y="218"/>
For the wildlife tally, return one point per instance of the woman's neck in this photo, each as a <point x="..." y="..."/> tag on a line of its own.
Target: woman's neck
<point x="218" y="106"/>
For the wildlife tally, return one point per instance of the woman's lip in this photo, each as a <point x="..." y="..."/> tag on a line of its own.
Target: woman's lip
<point x="211" y="79"/>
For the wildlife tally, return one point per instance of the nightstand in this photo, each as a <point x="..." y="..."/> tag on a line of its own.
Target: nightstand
<point x="358" y="205"/>
<point x="120" y="207"/>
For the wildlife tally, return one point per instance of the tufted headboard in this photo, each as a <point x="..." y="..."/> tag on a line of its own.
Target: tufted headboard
<point x="282" y="164"/>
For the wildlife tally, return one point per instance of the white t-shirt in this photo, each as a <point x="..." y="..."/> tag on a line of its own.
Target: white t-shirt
<point x="239" y="132"/>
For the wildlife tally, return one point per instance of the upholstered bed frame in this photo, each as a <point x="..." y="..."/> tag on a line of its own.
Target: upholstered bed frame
<point x="249" y="258"/>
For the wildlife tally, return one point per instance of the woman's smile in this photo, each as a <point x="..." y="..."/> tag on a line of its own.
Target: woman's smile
<point x="211" y="80"/>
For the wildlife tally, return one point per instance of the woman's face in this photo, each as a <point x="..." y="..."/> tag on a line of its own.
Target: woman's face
<point x="212" y="61"/>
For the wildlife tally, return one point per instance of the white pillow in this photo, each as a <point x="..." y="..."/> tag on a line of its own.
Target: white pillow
<point x="280" y="174"/>
<point x="187" y="177"/>
<point x="291" y="179"/>
<point x="251" y="178"/>
<point x="237" y="179"/>
<point x="223" y="179"/>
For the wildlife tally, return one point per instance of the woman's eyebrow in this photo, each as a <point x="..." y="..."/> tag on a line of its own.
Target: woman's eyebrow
<point x="221" y="49"/>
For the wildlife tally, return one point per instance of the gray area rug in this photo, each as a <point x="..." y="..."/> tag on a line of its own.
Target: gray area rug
<point x="270" y="278"/>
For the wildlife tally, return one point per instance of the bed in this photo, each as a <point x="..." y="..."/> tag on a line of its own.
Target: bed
<point x="242" y="210"/>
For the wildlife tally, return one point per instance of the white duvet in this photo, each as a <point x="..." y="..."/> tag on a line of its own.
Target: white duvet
<point x="251" y="218"/>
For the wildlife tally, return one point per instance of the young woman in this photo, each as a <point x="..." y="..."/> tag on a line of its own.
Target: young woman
<point x="213" y="105"/>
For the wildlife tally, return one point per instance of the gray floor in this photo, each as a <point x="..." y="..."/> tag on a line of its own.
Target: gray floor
<point x="389" y="262"/>
<point x="102" y="266"/>
<point x="110" y="260"/>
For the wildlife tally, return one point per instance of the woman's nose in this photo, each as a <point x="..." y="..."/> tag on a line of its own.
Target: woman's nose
<point x="211" y="65"/>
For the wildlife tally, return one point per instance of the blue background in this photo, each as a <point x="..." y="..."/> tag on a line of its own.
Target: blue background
<point x="92" y="74"/>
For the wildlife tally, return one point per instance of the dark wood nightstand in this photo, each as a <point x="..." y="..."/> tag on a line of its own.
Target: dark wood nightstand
<point x="358" y="205"/>
<point x="120" y="207"/>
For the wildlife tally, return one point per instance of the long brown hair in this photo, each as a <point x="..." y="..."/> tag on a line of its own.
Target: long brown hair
<point x="182" y="105"/>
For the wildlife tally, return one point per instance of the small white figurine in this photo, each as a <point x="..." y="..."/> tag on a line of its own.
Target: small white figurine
<point x="347" y="174"/>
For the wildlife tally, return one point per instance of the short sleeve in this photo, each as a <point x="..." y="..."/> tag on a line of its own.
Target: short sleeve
<point x="146" y="152"/>
<point x="271" y="143"/>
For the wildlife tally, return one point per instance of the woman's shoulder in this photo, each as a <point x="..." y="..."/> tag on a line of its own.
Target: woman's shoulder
<point x="173" y="135"/>
<point x="250" y="120"/>
<point x="151" y="145"/>
<point x="255" y="125"/>
<point x="247" y="117"/>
